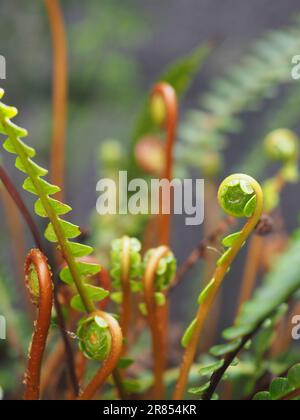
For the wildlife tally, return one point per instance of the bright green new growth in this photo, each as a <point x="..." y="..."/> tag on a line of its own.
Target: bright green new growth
<point x="94" y="338"/>
<point x="165" y="272"/>
<point x="283" y="145"/>
<point x="58" y="231"/>
<point x="32" y="284"/>
<point x="135" y="269"/>
<point x="281" y="388"/>
<point x="237" y="197"/>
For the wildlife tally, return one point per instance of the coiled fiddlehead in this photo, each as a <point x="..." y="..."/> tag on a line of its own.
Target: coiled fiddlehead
<point x="101" y="339"/>
<point x="126" y="273"/>
<point x="281" y="145"/>
<point x="239" y="196"/>
<point x="38" y="281"/>
<point x="164" y="109"/>
<point x="94" y="338"/>
<point x="160" y="267"/>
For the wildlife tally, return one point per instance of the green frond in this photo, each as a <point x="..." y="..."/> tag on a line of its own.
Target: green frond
<point x="246" y="85"/>
<point x="58" y="231"/>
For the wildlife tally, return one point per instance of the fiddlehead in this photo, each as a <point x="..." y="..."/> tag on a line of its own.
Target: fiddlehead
<point x="101" y="339"/>
<point x="240" y="196"/>
<point x="160" y="268"/>
<point x="282" y="146"/>
<point x="164" y="109"/>
<point x="126" y="272"/>
<point x="38" y="281"/>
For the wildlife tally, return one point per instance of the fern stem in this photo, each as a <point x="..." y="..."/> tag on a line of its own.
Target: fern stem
<point x="158" y="332"/>
<point x="205" y="308"/>
<point x="60" y="92"/>
<point x="69" y="258"/>
<point x="109" y="365"/>
<point x="13" y="192"/>
<point x="33" y="373"/>
<point x="126" y="302"/>
<point x="168" y="94"/>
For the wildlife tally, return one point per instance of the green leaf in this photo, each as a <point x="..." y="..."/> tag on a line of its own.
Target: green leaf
<point x="279" y="388"/>
<point x="84" y="269"/>
<point x="117" y="297"/>
<point x="199" y="390"/>
<point x="236" y="332"/>
<point x="125" y="363"/>
<point x="294" y="376"/>
<point x="59" y="208"/>
<point x="250" y="207"/>
<point x="70" y="231"/>
<point x="224" y="257"/>
<point x="188" y="334"/>
<point x="263" y="396"/>
<point x="47" y="188"/>
<point x="38" y="170"/>
<point x="160" y="299"/>
<point x="9" y="147"/>
<point x="229" y="241"/>
<point x="205" y="293"/>
<point x="80" y="250"/>
<point x="224" y="349"/>
<point x="210" y="369"/>
<point x="96" y="294"/>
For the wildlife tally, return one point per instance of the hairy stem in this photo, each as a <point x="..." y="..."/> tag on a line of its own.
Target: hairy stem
<point x="60" y="92"/>
<point x="37" y="349"/>
<point x="168" y="95"/>
<point x="126" y="302"/>
<point x="205" y="308"/>
<point x="156" y="325"/>
<point x="16" y="197"/>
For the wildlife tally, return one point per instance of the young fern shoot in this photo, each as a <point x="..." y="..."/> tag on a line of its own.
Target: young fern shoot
<point x="100" y="339"/>
<point x="126" y="272"/>
<point x="39" y="283"/>
<point x="282" y="146"/>
<point x="164" y="109"/>
<point x="160" y="268"/>
<point x="239" y="196"/>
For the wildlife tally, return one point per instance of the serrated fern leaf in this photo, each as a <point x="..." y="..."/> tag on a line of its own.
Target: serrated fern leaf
<point x="58" y="231"/>
<point x="267" y="66"/>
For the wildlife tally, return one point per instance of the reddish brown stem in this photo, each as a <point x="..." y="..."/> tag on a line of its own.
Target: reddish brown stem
<point x="12" y="191"/>
<point x="110" y="363"/>
<point x="156" y="324"/>
<point x="169" y="97"/>
<point x="60" y="92"/>
<point x="126" y="302"/>
<point x="38" y="344"/>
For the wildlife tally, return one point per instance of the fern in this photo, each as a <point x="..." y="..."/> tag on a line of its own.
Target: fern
<point x="179" y="75"/>
<point x="278" y="287"/>
<point x="261" y="71"/>
<point x="285" y="115"/>
<point x="283" y="388"/>
<point x="58" y="230"/>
